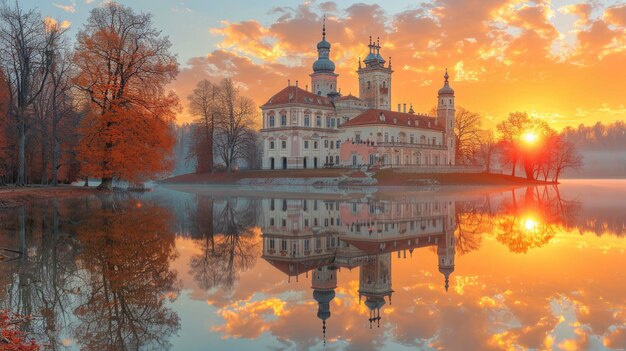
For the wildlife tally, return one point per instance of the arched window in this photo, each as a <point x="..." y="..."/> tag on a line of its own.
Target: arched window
<point x="272" y="121"/>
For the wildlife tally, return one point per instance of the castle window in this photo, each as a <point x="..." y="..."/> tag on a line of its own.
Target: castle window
<point x="338" y="145"/>
<point x="315" y="145"/>
<point x="326" y="143"/>
<point x="332" y="122"/>
<point x="283" y="120"/>
<point x="328" y="122"/>
<point x="272" y="243"/>
<point x="283" y="144"/>
<point x="271" y="145"/>
<point x="306" y="144"/>
<point x="307" y="121"/>
<point x="271" y="121"/>
<point x="318" y="121"/>
<point x="386" y="137"/>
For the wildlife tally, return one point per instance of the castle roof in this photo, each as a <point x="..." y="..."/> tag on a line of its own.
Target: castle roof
<point x="348" y="97"/>
<point x="293" y="94"/>
<point x="399" y="119"/>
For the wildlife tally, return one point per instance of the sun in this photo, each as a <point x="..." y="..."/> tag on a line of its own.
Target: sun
<point x="530" y="137"/>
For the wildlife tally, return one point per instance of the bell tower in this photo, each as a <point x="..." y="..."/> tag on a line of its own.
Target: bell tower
<point x="375" y="78"/>
<point x="445" y="116"/>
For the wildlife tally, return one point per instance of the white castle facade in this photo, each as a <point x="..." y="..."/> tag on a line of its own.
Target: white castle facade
<point x="321" y="128"/>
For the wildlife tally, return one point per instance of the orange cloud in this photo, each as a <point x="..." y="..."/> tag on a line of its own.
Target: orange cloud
<point x="504" y="55"/>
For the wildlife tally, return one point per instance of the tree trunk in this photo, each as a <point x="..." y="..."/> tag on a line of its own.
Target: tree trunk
<point x="106" y="184"/>
<point x="44" y="164"/>
<point x="21" y="154"/>
<point x="55" y="163"/>
<point x="56" y="155"/>
<point x="513" y="168"/>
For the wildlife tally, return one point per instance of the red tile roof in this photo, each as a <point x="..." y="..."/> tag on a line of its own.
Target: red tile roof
<point x="293" y="94"/>
<point x="393" y="118"/>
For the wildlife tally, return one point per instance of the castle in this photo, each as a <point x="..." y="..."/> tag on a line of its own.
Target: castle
<point x="321" y="128"/>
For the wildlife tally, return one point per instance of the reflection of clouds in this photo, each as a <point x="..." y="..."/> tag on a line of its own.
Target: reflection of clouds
<point x="546" y="298"/>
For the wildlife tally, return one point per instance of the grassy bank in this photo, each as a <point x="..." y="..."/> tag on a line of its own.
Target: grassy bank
<point x="16" y="196"/>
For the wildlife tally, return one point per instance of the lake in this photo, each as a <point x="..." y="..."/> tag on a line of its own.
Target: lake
<point x="423" y="268"/>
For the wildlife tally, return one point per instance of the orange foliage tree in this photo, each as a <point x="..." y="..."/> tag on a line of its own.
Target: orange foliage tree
<point x="123" y="65"/>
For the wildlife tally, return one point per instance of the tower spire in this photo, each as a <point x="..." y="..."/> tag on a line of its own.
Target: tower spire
<point x="446" y="76"/>
<point x="324" y="28"/>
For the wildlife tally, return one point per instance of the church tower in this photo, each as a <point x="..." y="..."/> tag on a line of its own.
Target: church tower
<point x="375" y="79"/>
<point x="445" y="116"/>
<point x="324" y="78"/>
<point x="375" y="285"/>
<point x="324" y="282"/>
<point x="446" y="252"/>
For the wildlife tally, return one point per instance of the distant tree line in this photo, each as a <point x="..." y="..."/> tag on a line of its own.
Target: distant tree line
<point x="600" y="136"/>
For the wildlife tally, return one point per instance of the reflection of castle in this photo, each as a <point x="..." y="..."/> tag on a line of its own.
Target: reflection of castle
<point x="322" y="236"/>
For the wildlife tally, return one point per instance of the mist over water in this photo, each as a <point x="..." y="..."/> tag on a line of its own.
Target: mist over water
<point x="222" y="269"/>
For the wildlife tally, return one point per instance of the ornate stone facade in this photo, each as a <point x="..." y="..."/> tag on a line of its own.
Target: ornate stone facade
<point x="320" y="128"/>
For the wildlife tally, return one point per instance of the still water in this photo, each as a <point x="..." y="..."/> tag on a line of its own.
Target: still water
<point x="199" y="269"/>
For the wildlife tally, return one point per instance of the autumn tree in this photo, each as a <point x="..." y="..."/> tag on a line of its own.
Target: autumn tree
<point x="123" y="66"/>
<point x="467" y="138"/>
<point x="235" y="124"/>
<point x="25" y="61"/>
<point x="203" y="105"/>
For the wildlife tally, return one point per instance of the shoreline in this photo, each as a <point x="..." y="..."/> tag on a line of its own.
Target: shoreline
<point x="12" y="196"/>
<point x="345" y="179"/>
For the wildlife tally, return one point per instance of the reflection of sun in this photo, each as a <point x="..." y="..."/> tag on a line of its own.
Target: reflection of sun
<point x="530" y="224"/>
<point x="530" y="137"/>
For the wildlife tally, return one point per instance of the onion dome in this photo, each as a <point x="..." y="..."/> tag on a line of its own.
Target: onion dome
<point x="446" y="90"/>
<point x="446" y="271"/>
<point x="323" y="64"/>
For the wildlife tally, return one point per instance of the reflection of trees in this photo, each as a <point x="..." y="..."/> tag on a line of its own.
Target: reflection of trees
<point x="532" y="221"/>
<point x="45" y="279"/>
<point x="472" y="219"/>
<point x="126" y="249"/>
<point x="228" y="241"/>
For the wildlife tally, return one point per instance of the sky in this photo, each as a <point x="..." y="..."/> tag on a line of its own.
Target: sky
<point x="561" y="60"/>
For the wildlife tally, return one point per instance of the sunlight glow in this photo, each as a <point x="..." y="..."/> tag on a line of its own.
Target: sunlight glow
<point x="530" y="137"/>
<point x="530" y="224"/>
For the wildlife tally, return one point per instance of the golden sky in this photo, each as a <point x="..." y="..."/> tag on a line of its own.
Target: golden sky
<point x="558" y="60"/>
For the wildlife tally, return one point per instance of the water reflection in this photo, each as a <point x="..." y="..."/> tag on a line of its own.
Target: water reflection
<point x="465" y="270"/>
<point x="96" y="274"/>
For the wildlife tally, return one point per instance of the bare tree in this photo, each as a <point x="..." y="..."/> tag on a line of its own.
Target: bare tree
<point x="565" y="156"/>
<point x="487" y="148"/>
<point x="466" y="131"/>
<point x="235" y="124"/>
<point x="202" y="104"/>
<point x="25" y="58"/>
<point x="55" y="101"/>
